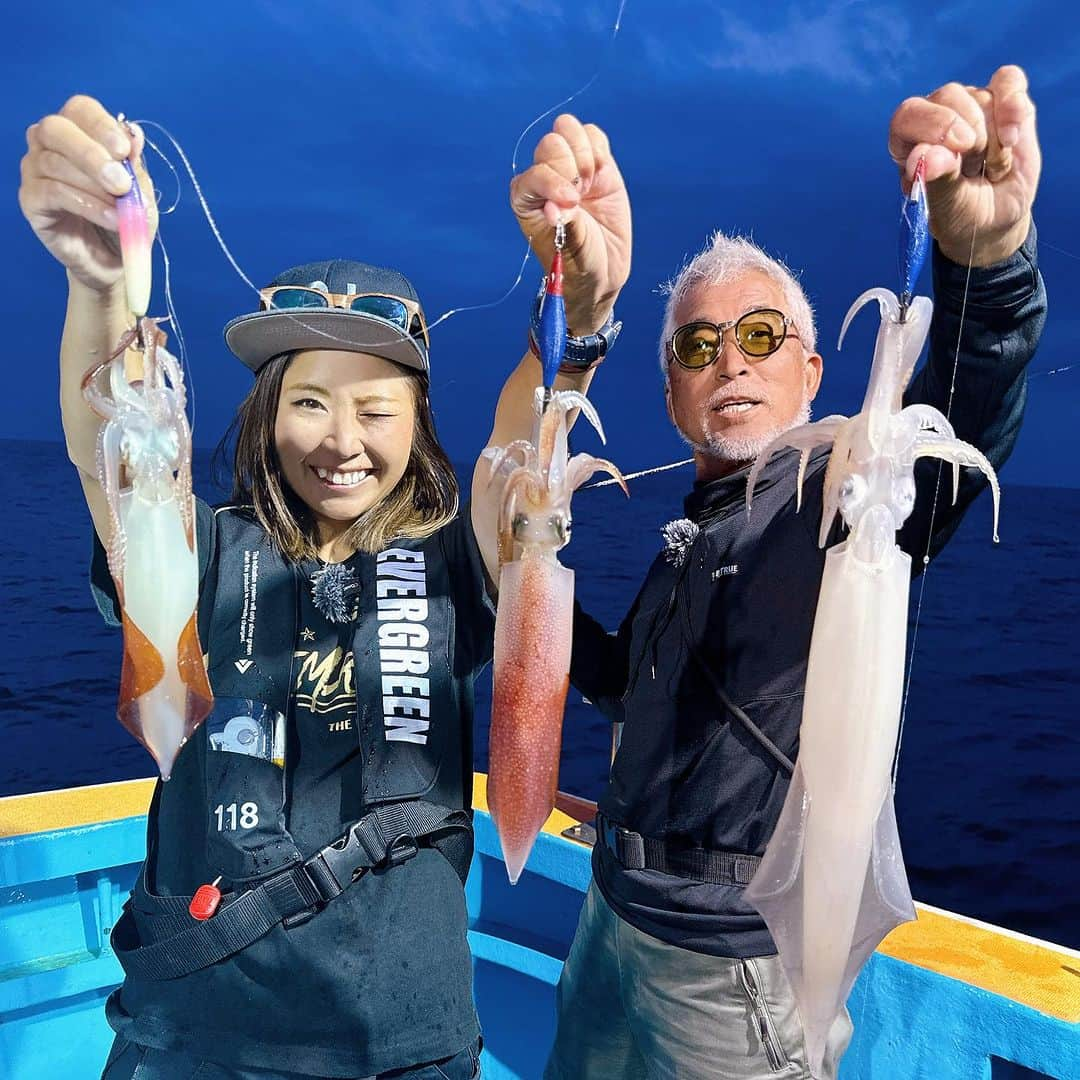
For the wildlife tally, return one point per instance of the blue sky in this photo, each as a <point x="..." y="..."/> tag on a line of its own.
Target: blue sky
<point x="385" y="132"/>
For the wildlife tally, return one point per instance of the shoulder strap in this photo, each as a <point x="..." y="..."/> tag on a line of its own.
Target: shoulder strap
<point x="738" y="713"/>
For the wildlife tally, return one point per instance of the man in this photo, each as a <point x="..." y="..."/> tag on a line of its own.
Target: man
<point x="672" y="973"/>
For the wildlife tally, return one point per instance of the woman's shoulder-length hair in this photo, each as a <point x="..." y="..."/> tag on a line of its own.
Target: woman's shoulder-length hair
<point x="424" y="500"/>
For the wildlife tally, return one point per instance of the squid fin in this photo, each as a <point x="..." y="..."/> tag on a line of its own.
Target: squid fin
<point x="142" y="669"/>
<point x="822" y="947"/>
<point x="200" y="698"/>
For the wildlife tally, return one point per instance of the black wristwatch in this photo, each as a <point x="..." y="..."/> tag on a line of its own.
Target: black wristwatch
<point x="582" y="353"/>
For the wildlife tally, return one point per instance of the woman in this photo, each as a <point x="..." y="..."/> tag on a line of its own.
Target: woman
<point x="344" y="610"/>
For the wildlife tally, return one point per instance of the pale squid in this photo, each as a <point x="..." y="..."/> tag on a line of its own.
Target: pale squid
<point x="533" y="625"/>
<point x="144" y="465"/>
<point x="832" y="882"/>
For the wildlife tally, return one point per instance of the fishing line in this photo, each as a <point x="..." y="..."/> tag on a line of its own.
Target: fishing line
<point x="204" y="204"/>
<point x="867" y="978"/>
<point x="212" y="222"/>
<point x="637" y="475"/>
<point x="494" y="303"/>
<point x="576" y="94"/>
<point x="1053" y="371"/>
<point x="934" y="506"/>
<point x="176" y="177"/>
<point x="514" y="169"/>
<point x="1065" y="367"/>
<point x="174" y="322"/>
<point x="201" y="197"/>
<point x="1061" y="251"/>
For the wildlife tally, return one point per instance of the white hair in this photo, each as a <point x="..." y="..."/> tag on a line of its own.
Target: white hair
<point x="725" y="259"/>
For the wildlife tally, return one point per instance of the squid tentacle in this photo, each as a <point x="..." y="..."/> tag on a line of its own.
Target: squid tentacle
<point x="805" y="438"/>
<point x="830" y="502"/>
<point x="519" y="453"/>
<point x="960" y="453"/>
<point x="565" y="400"/>
<point x="930" y="419"/>
<point x="887" y="302"/>
<point x="109" y="464"/>
<point x="582" y="467"/>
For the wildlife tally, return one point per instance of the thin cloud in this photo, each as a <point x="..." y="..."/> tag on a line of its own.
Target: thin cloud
<point x="475" y="44"/>
<point x="849" y="43"/>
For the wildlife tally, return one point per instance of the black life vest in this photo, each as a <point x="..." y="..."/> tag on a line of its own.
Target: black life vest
<point x="416" y="780"/>
<point x="402" y="648"/>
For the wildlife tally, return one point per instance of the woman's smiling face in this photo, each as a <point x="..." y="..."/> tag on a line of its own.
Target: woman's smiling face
<point x="343" y="433"/>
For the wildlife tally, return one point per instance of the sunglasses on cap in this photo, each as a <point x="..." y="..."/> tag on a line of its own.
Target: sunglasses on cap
<point x="402" y="313"/>
<point x="757" y="334"/>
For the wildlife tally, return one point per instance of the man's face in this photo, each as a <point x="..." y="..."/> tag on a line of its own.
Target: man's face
<point x="732" y="409"/>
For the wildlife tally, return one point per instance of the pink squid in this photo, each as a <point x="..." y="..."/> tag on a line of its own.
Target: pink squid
<point x="533" y="626"/>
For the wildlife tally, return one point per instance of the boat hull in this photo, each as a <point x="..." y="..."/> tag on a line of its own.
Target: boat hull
<point x="62" y="886"/>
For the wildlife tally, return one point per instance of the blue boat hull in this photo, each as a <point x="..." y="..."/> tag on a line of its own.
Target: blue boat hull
<point x="62" y="889"/>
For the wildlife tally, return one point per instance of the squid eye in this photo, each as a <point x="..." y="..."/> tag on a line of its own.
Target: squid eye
<point x="560" y="527"/>
<point x="904" y="492"/>
<point x="853" y="489"/>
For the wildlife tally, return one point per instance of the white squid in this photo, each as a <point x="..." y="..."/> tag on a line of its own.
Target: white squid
<point x="832" y="882"/>
<point x="144" y="465"/>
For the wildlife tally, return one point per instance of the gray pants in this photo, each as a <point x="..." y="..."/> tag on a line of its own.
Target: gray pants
<point x="631" y="1007"/>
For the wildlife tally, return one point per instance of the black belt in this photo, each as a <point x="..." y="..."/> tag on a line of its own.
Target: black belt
<point x="386" y="836"/>
<point x="637" y="852"/>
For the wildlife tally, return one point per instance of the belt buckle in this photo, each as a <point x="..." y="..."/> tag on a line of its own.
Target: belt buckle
<point x="338" y="860"/>
<point x="610" y="831"/>
<point x="629" y="848"/>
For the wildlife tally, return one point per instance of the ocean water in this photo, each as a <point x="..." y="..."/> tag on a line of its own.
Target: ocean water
<point x="986" y="798"/>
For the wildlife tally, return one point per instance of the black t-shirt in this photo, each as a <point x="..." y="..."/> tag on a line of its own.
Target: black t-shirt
<point x="324" y="779"/>
<point x="379" y="979"/>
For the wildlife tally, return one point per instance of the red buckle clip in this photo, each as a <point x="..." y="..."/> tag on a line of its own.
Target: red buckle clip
<point x="205" y="901"/>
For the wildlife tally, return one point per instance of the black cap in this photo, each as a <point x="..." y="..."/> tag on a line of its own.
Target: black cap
<point x="258" y="337"/>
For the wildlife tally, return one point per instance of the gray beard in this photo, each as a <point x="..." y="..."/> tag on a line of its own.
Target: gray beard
<point x="742" y="449"/>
